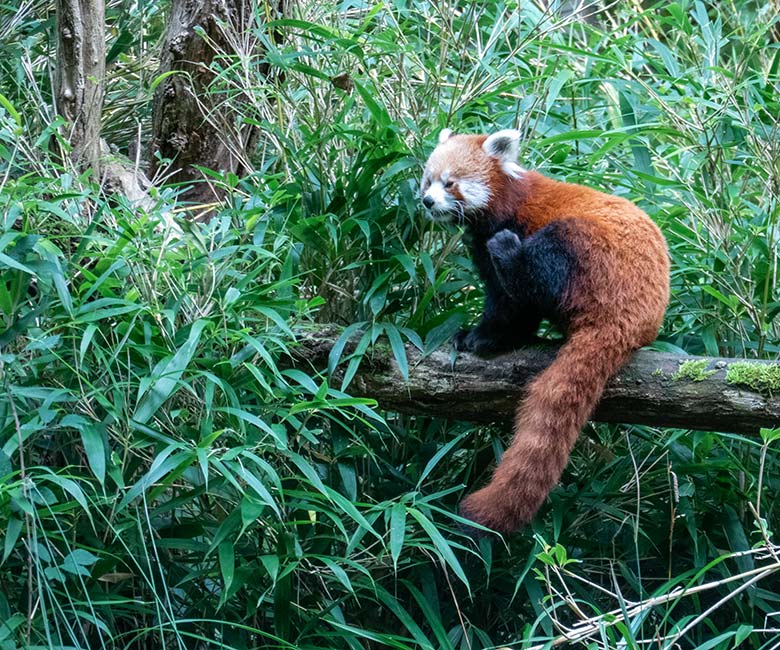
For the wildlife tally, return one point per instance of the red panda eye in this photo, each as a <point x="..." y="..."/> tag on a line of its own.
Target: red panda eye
<point x="449" y="184"/>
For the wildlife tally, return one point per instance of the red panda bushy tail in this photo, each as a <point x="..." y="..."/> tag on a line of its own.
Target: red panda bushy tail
<point x="556" y="407"/>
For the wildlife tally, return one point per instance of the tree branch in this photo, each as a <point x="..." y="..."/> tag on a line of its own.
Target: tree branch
<point x="654" y="388"/>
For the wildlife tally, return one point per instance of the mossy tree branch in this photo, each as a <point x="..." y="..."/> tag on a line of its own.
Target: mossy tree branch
<point x="654" y="388"/>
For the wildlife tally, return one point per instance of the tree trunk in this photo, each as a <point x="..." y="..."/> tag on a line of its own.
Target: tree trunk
<point x="191" y="127"/>
<point x="654" y="388"/>
<point x="79" y="78"/>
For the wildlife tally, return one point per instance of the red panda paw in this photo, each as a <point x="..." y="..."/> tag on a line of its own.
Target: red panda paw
<point x="489" y="509"/>
<point x="504" y="245"/>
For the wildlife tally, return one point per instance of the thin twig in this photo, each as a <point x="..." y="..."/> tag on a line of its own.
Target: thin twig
<point x="588" y="627"/>
<point x="23" y="475"/>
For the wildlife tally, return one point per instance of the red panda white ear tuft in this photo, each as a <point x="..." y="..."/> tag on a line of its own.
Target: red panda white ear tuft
<point x="503" y="145"/>
<point x="445" y="135"/>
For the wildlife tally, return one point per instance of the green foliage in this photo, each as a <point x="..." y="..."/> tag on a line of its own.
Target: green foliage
<point x="169" y="479"/>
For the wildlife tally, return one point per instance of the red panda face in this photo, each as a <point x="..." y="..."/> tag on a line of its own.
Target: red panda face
<point x="457" y="177"/>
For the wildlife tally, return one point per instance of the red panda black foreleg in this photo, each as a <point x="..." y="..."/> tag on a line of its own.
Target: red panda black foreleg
<point x="507" y="322"/>
<point x="525" y="280"/>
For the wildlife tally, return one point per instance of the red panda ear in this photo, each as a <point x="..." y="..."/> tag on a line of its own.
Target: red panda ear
<point x="503" y="145"/>
<point x="445" y="135"/>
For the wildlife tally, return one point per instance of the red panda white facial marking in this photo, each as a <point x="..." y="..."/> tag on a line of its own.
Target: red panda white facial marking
<point x="475" y="193"/>
<point x="447" y="197"/>
<point x="438" y="201"/>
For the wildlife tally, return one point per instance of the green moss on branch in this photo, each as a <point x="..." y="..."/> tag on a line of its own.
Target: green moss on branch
<point x="761" y="377"/>
<point x="693" y="371"/>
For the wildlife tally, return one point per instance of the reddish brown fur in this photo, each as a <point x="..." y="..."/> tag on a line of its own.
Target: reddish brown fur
<point x="616" y="304"/>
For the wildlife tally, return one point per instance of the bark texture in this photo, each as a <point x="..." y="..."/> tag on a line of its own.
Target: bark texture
<point x="650" y="389"/>
<point x="80" y="74"/>
<point x="192" y="127"/>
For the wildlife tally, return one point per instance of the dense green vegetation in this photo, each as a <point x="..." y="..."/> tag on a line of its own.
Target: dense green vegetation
<point x="169" y="480"/>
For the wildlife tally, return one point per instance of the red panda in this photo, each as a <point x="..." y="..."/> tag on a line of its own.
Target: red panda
<point x="593" y="263"/>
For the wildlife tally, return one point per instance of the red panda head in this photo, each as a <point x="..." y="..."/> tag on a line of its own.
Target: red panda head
<point x="464" y="172"/>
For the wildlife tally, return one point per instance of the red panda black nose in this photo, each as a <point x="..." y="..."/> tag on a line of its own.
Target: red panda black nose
<point x="428" y="201"/>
